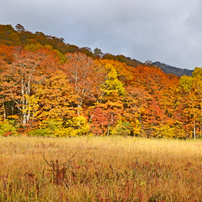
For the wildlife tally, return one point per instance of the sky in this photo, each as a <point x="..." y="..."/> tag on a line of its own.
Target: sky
<point x="169" y="31"/>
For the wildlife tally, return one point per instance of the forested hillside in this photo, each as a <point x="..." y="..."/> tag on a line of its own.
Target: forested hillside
<point x="173" y="70"/>
<point x="51" y="88"/>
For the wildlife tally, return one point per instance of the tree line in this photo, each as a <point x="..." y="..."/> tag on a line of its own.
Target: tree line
<point x="48" y="88"/>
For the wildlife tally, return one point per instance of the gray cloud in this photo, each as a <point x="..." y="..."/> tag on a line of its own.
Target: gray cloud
<point x="165" y="30"/>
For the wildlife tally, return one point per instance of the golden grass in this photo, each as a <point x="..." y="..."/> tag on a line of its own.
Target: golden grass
<point x="100" y="169"/>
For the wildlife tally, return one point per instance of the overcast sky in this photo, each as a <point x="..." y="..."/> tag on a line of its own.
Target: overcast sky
<point x="169" y="31"/>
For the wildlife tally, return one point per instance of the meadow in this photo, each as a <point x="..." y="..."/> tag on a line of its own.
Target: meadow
<point x="100" y="169"/>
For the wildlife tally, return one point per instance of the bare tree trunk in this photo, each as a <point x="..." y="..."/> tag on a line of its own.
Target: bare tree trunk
<point x="28" y="100"/>
<point x="108" y="128"/>
<point x="24" y="117"/>
<point x="4" y="108"/>
<point x="194" y="130"/>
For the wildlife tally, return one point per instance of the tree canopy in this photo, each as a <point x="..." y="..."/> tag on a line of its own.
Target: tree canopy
<point x="51" y="88"/>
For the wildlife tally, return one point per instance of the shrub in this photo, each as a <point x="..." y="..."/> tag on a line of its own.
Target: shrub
<point x="163" y="131"/>
<point x="54" y="128"/>
<point x="122" y="128"/>
<point x="169" y="131"/>
<point x="41" y="132"/>
<point x="7" y="129"/>
<point x="51" y="129"/>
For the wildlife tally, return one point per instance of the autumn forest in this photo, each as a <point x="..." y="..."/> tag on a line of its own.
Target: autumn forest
<point x="50" y="88"/>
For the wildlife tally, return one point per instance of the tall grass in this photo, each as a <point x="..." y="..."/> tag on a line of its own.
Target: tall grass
<point x="100" y="169"/>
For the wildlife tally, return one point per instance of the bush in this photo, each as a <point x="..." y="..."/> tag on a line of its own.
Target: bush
<point x="122" y="128"/>
<point x="7" y="129"/>
<point x="41" y="132"/>
<point x="170" y="131"/>
<point x="76" y="126"/>
<point x="163" y="131"/>
<point x="51" y="129"/>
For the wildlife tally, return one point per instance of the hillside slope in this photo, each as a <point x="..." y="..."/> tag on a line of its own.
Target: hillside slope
<point x="19" y="36"/>
<point x="173" y="70"/>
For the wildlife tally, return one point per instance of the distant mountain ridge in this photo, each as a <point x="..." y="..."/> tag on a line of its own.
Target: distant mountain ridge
<point x="173" y="70"/>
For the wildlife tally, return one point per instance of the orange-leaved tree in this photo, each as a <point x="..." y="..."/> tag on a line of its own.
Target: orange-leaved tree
<point x="28" y="68"/>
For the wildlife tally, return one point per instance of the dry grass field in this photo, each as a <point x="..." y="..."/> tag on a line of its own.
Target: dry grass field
<point x="100" y="169"/>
